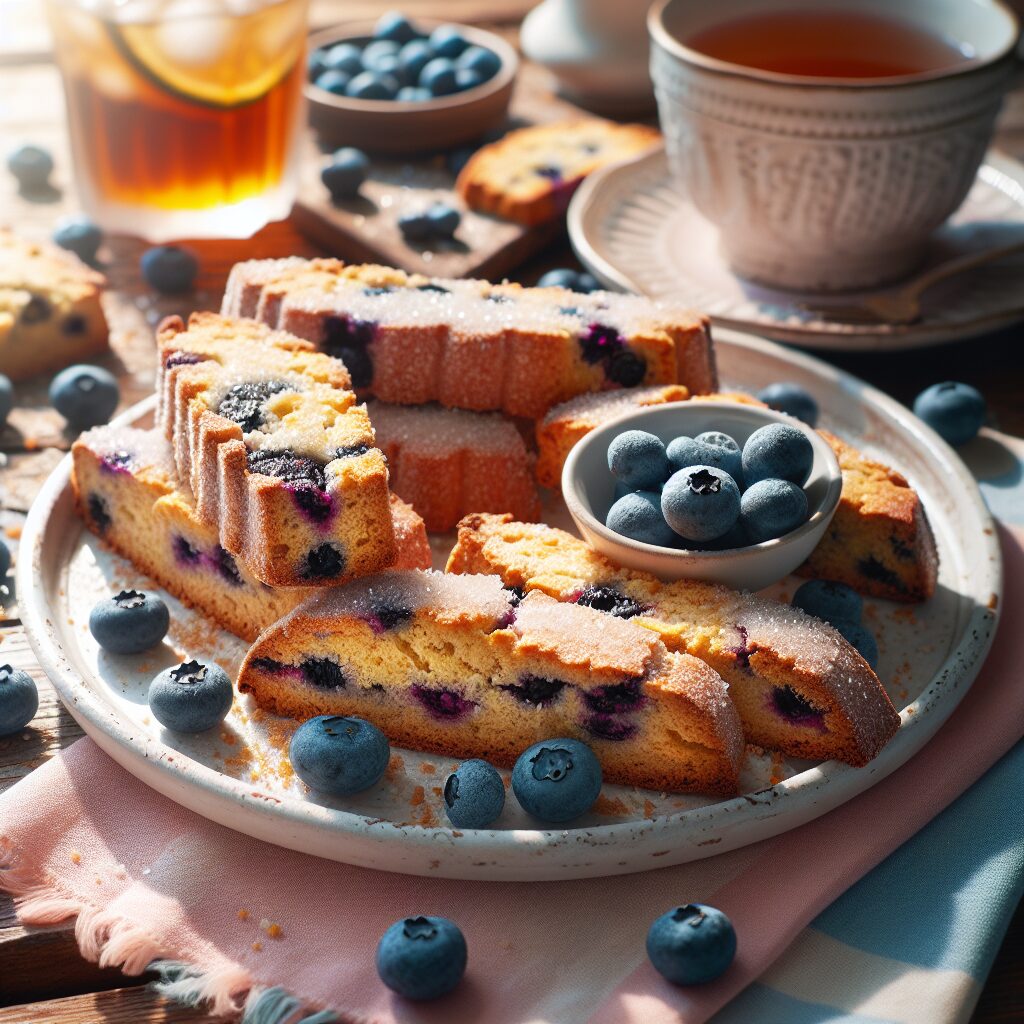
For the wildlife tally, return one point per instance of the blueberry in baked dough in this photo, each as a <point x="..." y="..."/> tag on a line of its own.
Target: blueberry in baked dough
<point x="701" y="503"/>
<point x="191" y="697"/>
<point x="130" y="622"/>
<point x="84" y="395"/>
<point x="474" y="795"/>
<point x="785" y="396"/>
<point x="19" y="700"/>
<point x="338" y="755"/>
<point x="829" y="600"/>
<point x="422" y="957"/>
<point x="638" y="516"/>
<point x="638" y="459"/>
<point x="691" y="945"/>
<point x="439" y="76"/>
<point x="80" y="236"/>
<point x="346" y="172"/>
<point x="772" y="508"/>
<point x="372" y="85"/>
<point x="448" y="41"/>
<point x="859" y="637"/>
<point x="169" y="269"/>
<point x="6" y="398"/>
<point x="777" y="450"/>
<point x="31" y="166"/>
<point x="955" y="411"/>
<point x="557" y="780"/>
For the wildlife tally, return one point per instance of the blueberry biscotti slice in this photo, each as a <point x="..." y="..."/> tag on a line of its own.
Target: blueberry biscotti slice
<point x="127" y="493"/>
<point x="267" y="435"/>
<point x="469" y="344"/>
<point x="798" y="686"/>
<point x="50" y="312"/>
<point x="458" y="665"/>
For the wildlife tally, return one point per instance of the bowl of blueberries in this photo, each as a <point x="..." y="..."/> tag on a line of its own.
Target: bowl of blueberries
<point x="397" y="86"/>
<point x="707" y="490"/>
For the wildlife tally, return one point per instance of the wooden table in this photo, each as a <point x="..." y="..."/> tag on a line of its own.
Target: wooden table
<point x="43" y="980"/>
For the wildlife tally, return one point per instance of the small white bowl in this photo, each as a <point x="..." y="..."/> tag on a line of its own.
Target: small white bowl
<point x="588" y="488"/>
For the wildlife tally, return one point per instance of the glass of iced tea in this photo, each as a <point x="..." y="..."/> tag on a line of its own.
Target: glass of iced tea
<point x="184" y="115"/>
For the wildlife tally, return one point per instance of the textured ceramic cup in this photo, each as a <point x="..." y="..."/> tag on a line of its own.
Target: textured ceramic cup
<point x="825" y="184"/>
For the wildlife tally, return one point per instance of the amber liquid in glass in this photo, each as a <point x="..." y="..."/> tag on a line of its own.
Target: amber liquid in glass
<point x="828" y="44"/>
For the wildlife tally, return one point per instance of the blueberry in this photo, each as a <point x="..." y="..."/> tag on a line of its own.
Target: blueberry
<point x="474" y="795"/>
<point x="486" y="63"/>
<point x="691" y="945"/>
<point x="413" y="94"/>
<point x="369" y="85"/>
<point x="79" y="235"/>
<point x="722" y="451"/>
<point x="639" y="517"/>
<point x="956" y="412"/>
<point x="557" y="780"/>
<point x="31" y="165"/>
<point x="373" y="53"/>
<point x="191" y="697"/>
<point x="414" y="57"/>
<point x="860" y="638"/>
<point x="829" y="600"/>
<point x="779" y="451"/>
<point x="466" y="78"/>
<point x="169" y="269"/>
<point x="130" y="622"/>
<point x="415" y="227"/>
<point x="339" y="755"/>
<point x="561" y="277"/>
<point x="346" y="172"/>
<point x="638" y="459"/>
<point x="587" y="283"/>
<point x="422" y="957"/>
<point x="345" y="57"/>
<point x="334" y="81"/>
<point x="84" y="395"/>
<point x="315" y="65"/>
<point x="448" y="41"/>
<point x="444" y="220"/>
<point x="701" y="503"/>
<point x="791" y="398"/>
<point x="5" y="560"/>
<point x="391" y="67"/>
<point x="396" y="27"/>
<point x="6" y="398"/>
<point x="19" y="700"/>
<point x="439" y="77"/>
<point x="771" y="508"/>
<point x="684" y="452"/>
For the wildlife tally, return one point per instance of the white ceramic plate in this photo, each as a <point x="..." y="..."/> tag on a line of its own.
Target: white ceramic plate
<point x="632" y="227"/>
<point x="239" y="775"/>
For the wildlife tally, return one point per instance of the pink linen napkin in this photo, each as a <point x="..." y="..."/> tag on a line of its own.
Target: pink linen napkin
<point x="149" y="880"/>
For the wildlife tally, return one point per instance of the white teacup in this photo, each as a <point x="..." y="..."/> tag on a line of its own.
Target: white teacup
<point x="828" y="184"/>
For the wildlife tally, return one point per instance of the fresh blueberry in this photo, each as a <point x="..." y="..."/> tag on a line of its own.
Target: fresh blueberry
<point x="486" y="63"/>
<point x="19" y="700"/>
<point x="448" y="41"/>
<point x="561" y="277"/>
<point x="829" y="600"/>
<point x="723" y="452"/>
<point x="466" y="78"/>
<point x="345" y="57"/>
<point x="701" y="503"/>
<point x="6" y="398"/>
<point x="639" y="517"/>
<point x="771" y="508"/>
<point x="130" y="622"/>
<point x="474" y="795"/>
<point x="859" y="637"/>
<point x="346" y="172"/>
<point x="791" y="398"/>
<point x="413" y="94"/>
<point x="414" y="57"/>
<point x="557" y="780"/>
<point x="439" y="77"/>
<point x="778" y="451"/>
<point x="587" y="283"/>
<point x="315" y="65"/>
<point x="691" y="945"/>
<point x="191" y="697"/>
<point x="339" y="755"/>
<point x="334" y="81"/>
<point x="415" y="227"/>
<point x="81" y="236"/>
<point x="730" y="540"/>
<point x="638" y="459"/>
<point x="84" y="395"/>
<point x="169" y="269"/>
<point x="369" y="85"/>
<point x="373" y="53"/>
<point x="32" y="166"/>
<point x="956" y="412"/>
<point x="396" y="27"/>
<point x="391" y="67"/>
<point x="422" y="957"/>
<point x="444" y="220"/>
<point x="5" y="560"/>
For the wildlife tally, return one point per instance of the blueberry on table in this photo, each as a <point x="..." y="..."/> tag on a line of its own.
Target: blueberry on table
<point x="444" y="220"/>
<point x="857" y="636"/>
<point x="370" y="85"/>
<point x="772" y="508"/>
<point x="638" y="516"/>
<point x="791" y="398"/>
<point x="722" y="451"/>
<point x="338" y="755"/>
<point x="413" y="94"/>
<point x="396" y="27"/>
<point x="557" y="780"/>
<point x="84" y="395"/>
<point x="780" y="451"/>
<point x="5" y="559"/>
<point x="458" y="158"/>
<point x="191" y="697"/>
<point x="130" y="622"/>
<point x="415" y="227"/>
<point x="19" y="700"/>
<point x="80" y="236"/>
<point x="466" y="78"/>
<point x="486" y="63"/>
<point x="448" y="41"/>
<point x="955" y="411"/>
<point x="374" y="52"/>
<point x="691" y="945"/>
<point x="334" y="81"/>
<point x="414" y="57"/>
<point x="561" y="277"/>
<point x="422" y="957"/>
<point x="439" y="77"/>
<point x="31" y="166"/>
<point x="638" y="460"/>
<point x="474" y="795"/>
<point x="701" y="503"/>
<point x="346" y="172"/>
<point x="345" y="57"/>
<point x="829" y="600"/>
<point x="6" y="398"/>
<point x="169" y="269"/>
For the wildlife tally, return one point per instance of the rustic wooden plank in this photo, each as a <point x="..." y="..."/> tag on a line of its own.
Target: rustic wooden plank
<point x="120" y="1006"/>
